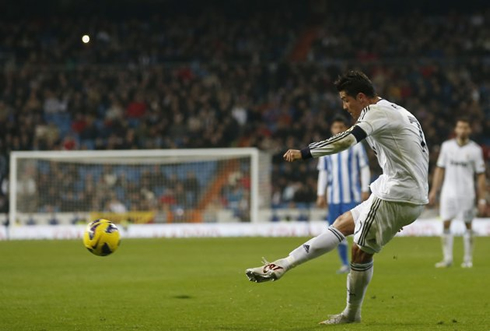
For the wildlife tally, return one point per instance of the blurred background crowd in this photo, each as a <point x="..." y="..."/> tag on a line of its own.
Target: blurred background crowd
<point x="189" y="74"/>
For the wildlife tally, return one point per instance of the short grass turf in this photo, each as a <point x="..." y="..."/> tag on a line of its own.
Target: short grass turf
<point x="199" y="284"/>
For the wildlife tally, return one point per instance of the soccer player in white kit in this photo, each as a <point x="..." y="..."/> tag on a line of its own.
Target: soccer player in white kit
<point x="398" y="195"/>
<point x="459" y="160"/>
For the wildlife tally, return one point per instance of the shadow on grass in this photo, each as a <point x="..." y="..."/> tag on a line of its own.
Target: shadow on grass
<point x="182" y="296"/>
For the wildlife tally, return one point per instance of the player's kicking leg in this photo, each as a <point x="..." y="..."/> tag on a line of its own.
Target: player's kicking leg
<point x="268" y="272"/>
<point x="361" y="266"/>
<point x="311" y="249"/>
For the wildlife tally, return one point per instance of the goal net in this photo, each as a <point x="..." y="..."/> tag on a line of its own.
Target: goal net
<point x="139" y="186"/>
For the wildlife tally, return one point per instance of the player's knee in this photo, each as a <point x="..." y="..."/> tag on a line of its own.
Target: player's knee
<point x="360" y="256"/>
<point x="345" y="224"/>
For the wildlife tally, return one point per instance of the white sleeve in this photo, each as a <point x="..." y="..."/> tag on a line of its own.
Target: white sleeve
<point x="479" y="162"/>
<point x="321" y="164"/>
<point x="322" y="183"/>
<point x="332" y="145"/>
<point x="442" y="159"/>
<point x="372" y="120"/>
<point x="362" y="155"/>
<point x="365" y="179"/>
<point x="364" y="167"/>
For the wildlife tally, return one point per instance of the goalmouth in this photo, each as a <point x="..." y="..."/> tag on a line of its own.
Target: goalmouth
<point x="139" y="186"/>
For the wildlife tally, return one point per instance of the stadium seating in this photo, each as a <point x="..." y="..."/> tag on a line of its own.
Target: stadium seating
<point x="205" y="86"/>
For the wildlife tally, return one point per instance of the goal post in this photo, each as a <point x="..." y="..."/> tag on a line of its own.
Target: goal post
<point x="139" y="186"/>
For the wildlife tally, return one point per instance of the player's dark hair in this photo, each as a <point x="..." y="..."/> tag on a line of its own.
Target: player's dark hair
<point x="354" y="82"/>
<point x="464" y="119"/>
<point x="340" y="118"/>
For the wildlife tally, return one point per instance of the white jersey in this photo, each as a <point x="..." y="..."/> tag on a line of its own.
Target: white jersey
<point x="398" y="141"/>
<point x="342" y="174"/>
<point x="461" y="163"/>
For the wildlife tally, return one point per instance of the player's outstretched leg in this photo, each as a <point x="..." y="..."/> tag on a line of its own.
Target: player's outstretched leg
<point x="268" y="272"/>
<point x="311" y="249"/>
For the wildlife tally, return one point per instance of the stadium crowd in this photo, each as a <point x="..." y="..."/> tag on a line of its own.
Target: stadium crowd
<point x="216" y="82"/>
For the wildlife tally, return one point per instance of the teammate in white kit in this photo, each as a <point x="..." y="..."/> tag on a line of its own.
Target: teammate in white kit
<point x="343" y="182"/>
<point x="459" y="160"/>
<point x="398" y="195"/>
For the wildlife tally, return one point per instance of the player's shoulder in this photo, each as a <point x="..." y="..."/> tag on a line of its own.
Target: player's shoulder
<point x="475" y="146"/>
<point x="383" y="103"/>
<point x="382" y="108"/>
<point x="371" y="111"/>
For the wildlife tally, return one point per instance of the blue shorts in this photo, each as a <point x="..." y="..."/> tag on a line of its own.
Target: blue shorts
<point x="337" y="209"/>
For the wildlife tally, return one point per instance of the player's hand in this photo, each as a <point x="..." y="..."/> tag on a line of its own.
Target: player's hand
<point x="432" y="198"/>
<point x="365" y="196"/>
<point x="321" y="202"/>
<point x="292" y="155"/>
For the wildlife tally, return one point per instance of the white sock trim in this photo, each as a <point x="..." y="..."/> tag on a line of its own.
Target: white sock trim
<point x="337" y="233"/>
<point x="361" y="266"/>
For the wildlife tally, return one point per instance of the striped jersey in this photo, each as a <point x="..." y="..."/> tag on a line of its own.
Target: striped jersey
<point x="340" y="175"/>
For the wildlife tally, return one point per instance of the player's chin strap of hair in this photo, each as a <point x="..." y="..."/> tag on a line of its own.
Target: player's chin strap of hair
<point x="334" y="144"/>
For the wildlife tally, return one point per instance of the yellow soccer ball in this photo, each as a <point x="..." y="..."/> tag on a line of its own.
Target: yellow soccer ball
<point x="101" y="237"/>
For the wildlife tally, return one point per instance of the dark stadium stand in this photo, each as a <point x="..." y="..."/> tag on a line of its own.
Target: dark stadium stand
<point x="218" y="78"/>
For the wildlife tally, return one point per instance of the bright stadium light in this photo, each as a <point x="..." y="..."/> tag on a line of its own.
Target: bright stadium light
<point x="85" y="38"/>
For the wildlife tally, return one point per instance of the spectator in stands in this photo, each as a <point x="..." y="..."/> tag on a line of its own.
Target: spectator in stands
<point x="115" y="206"/>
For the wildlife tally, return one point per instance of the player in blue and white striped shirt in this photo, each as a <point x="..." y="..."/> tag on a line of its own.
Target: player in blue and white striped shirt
<point x="345" y="177"/>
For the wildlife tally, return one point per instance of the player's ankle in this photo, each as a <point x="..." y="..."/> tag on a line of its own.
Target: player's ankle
<point x="287" y="263"/>
<point x="352" y="312"/>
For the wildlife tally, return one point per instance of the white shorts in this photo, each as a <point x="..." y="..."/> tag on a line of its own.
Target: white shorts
<point x="461" y="209"/>
<point x="378" y="221"/>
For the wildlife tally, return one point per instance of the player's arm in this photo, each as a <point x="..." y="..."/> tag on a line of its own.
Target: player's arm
<point x="481" y="189"/>
<point x="333" y="145"/>
<point x="321" y="200"/>
<point x="436" y="184"/>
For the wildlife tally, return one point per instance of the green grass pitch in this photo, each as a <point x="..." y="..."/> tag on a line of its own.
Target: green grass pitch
<point x="199" y="284"/>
